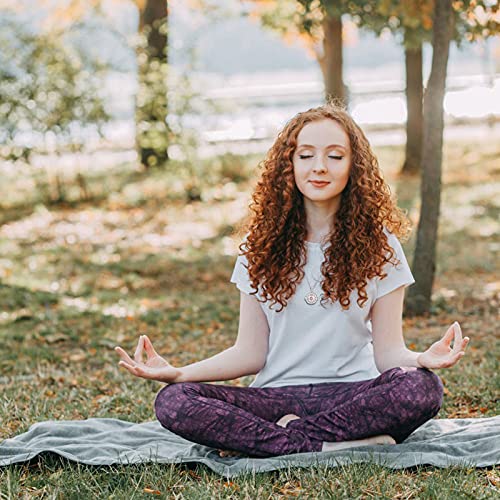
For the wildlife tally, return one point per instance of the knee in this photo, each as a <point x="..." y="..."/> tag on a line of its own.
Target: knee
<point x="168" y="404"/>
<point x="426" y="390"/>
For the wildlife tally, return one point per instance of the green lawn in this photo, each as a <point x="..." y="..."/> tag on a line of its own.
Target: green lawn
<point x="80" y="278"/>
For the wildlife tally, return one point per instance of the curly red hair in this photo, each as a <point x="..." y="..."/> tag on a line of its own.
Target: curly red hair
<point x="276" y="231"/>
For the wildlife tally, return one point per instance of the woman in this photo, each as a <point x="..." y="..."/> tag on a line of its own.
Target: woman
<point x="322" y="277"/>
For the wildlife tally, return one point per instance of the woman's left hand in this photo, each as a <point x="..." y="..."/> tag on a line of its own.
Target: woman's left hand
<point x="440" y="354"/>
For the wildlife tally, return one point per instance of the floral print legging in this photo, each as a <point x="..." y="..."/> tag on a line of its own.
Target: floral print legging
<point x="244" y="419"/>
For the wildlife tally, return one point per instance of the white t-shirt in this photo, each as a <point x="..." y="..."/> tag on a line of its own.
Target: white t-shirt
<point x="311" y="344"/>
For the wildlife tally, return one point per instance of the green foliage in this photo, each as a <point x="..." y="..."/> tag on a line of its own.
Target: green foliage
<point x="478" y="19"/>
<point x="48" y="89"/>
<point x="291" y="19"/>
<point x="472" y="19"/>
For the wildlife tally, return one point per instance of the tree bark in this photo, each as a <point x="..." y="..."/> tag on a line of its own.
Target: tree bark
<point x="414" y="106"/>
<point x="153" y="16"/>
<point x="332" y="63"/>
<point x="151" y="104"/>
<point x="424" y="262"/>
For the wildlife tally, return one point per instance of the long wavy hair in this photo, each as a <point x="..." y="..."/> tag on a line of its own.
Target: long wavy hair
<point x="275" y="227"/>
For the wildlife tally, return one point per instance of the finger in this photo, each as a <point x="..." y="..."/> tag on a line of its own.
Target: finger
<point x="124" y="355"/>
<point x="136" y="370"/>
<point x="129" y="367"/>
<point x="457" y="343"/>
<point x="458" y="357"/>
<point x="139" y="349"/>
<point x="150" y="350"/>
<point x="453" y="360"/>
<point x="448" y="336"/>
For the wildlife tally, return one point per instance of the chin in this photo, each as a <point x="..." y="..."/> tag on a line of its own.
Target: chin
<point x="327" y="195"/>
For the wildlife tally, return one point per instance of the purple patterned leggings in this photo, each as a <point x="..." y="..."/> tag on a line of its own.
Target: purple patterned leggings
<point x="244" y="418"/>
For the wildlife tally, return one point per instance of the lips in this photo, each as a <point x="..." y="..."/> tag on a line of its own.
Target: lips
<point x="319" y="183"/>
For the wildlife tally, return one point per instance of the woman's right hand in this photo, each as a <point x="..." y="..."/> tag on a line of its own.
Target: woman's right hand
<point x="154" y="367"/>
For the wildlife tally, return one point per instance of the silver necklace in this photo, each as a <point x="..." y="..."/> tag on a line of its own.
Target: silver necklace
<point x="311" y="298"/>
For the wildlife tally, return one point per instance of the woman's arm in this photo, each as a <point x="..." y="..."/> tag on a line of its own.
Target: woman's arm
<point x="246" y="357"/>
<point x="389" y="346"/>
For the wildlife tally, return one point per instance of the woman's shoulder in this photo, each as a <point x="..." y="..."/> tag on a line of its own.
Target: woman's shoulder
<point x="392" y="239"/>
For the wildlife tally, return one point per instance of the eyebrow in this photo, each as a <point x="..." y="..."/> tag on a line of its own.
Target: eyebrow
<point x="329" y="146"/>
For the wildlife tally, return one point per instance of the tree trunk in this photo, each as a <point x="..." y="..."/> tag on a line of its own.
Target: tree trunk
<point x="414" y="105"/>
<point x="151" y="103"/>
<point x="332" y="63"/>
<point x="424" y="263"/>
<point x="153" y="17"/>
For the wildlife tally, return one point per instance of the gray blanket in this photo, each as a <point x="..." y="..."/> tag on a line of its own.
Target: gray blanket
<point x="103" y="441"/>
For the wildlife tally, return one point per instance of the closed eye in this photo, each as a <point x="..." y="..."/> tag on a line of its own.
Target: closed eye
<point x="305" y="157"/>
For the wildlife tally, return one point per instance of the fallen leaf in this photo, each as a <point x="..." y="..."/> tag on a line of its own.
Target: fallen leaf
<point x="493" y="478"/>
<point x="151" y="491"/>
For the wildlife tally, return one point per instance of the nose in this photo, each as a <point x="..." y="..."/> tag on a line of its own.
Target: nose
<point x="319" y="164"/>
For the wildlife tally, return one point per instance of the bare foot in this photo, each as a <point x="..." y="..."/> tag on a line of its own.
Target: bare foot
<point x="230" y="453"/>
<point x="283" y="421"/>
<point x="382" y="439"/>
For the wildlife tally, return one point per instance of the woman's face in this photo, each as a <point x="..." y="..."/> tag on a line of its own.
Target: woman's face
<point x="323" y="153"/>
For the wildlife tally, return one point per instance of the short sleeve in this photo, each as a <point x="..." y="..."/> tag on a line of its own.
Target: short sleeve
<point x="240" y="275"/>
<point x="397" y="275"/>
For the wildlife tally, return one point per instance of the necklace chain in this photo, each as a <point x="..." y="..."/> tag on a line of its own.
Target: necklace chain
<point x="311" y="298"/>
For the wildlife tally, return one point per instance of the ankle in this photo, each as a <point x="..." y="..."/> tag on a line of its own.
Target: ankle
<point x="286" y="419"/>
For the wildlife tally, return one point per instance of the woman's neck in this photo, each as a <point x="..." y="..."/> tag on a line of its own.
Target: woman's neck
<point x="319" y="220"/>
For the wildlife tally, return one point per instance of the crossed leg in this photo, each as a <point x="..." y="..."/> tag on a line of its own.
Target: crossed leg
<point x="250" y="420"/>
<point x="241" y="419"/>
<point x="395" y="404"/>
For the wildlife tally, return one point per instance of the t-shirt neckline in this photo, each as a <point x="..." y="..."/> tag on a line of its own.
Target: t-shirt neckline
<point x="316" y="244"/>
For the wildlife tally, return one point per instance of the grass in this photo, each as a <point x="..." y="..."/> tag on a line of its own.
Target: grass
<point x="78" y="279"/>
<point x="61" y="479"/>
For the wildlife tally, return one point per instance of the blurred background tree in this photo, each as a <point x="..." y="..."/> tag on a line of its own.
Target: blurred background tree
<point x="318" y="25"/>
<point x="152" y="132"/>
<point x="151" y="46"/>
<point x="50" y="95"/>
<point x="412" y="22"/>
<point x="424" y="262"/>
<point x="475" y="21"/>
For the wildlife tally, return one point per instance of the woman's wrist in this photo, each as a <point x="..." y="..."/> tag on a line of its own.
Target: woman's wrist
<point x="413" y="359"/>
<point x="418" y="364"/>
<point x="178" y="377"/>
